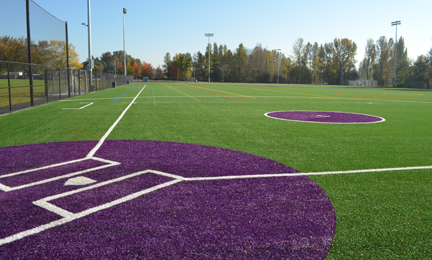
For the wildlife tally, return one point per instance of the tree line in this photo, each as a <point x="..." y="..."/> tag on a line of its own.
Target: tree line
<point x="113" y="63"/>
<point x="379" y="64"/>
<point x="49" y="53"/>
<point x="308" y="64"/>
<point x="330" y="63"/>
<point x="53" y="53"/>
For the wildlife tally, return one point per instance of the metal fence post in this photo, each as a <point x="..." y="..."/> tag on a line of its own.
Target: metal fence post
<point x="46" y="83"/>
<point x="29" y="52"/>
<point x="85" y="85"/>
<point x="9" y="88"/>
<point x="79" y="82"/>
<point x="59" y="72"/>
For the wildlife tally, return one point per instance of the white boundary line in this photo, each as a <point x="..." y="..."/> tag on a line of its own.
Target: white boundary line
<point x="349" y="123"/>
<point x="102" y="140"/>
<point x="80" y="107"/>
<point x="90" y="155"/>
<point x="305" y="173"/>
<point x="7" y="188"/>
<point x="69" y="216"/>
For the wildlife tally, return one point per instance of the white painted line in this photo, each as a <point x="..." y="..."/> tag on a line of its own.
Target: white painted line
<point x="35" y="230"/>
<point x="304" y="174"/>
<point x="104" y="160"/>
<point x="80" y="107"/>
<point x="50" y="207"/>
<point x="168" y="175"/>
<point x="321" y="116"/>
<point x="335" y="123"/>
<point x="109" y="182"/>
<point x="68" y="216"/>
<point x="126" y="198"/>
<point x="62" y="176"/>
<point x="43" y="168"/>
<point x="5" y="188"/>
<point x="102" y="140"/>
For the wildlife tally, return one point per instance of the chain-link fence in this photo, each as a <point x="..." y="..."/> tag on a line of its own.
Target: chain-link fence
<point x="49" y="84"/>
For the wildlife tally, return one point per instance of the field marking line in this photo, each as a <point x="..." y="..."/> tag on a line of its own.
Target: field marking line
<point x="63" y="176"/>
<point x="229" y="177"/>
<point x="102" y="140"/>
<point x="299" y="93"/>
<point x="80" y="107"/>
<point x="316" y="122"/>
<point x="71" y="217"/>
<point x="217" y="90"/>
<point x="43" y="168"/>
<point x="5" y="188"/>
<point x="181" y="92"/>
<point x="193" y="88"/>
<point x="124" y="94"/>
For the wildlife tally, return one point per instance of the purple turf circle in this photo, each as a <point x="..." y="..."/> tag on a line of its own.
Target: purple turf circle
<point x="328" y="117"/>
<point x="157" y="200"/>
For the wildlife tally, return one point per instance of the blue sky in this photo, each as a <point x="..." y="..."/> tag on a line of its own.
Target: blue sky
<point x="154" y="28"/>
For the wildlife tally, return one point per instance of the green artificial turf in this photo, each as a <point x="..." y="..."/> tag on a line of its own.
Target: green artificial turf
<point x="380" y="215"/>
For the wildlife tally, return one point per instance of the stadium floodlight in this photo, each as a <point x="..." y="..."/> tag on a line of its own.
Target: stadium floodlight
<point x="394" y="73"/>
<point x="278" y="62"/>
<point x="209" y="35"/>
<point x="90" y="62"/>
<point x="124" y="41"/>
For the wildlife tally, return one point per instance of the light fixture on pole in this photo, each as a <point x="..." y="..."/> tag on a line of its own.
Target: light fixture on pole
<point x="124" y="42"/>
<point x="394" y="74"/>
<point x="209" y="35"/>
<point x="278" y="61"/>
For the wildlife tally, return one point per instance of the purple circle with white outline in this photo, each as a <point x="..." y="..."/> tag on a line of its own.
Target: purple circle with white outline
<point x="328" y="117"/>
<point x="164" y="200"/>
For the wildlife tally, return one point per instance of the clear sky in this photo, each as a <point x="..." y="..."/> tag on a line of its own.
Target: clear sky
<point x="154" y="28"/>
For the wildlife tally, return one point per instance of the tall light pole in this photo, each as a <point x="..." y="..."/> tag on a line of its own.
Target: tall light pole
<point x="124" y="42"/>
<point x="278" y="61"/>
<point x="394" y="74"/>
<point x="209" y="35"/>
<point x="90" y="61"/>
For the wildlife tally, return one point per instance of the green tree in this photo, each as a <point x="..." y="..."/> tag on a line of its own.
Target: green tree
<point x="383" y="68"/>
<point x="183" y="63"/>
<point x="198" y="65"/>
<point x="421" y="73"/>
<point x="403" y="69"/>
<point x="13" y="49"/>
<point x="167" y="64"/>
<point x="240" y="63"/>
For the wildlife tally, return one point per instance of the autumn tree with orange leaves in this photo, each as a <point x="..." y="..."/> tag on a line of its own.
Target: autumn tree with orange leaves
<point x="136" y="68"/>
<point x="158" y="72"/>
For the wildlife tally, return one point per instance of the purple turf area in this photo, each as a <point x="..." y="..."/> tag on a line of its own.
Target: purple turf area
<point x="250" y="218"/>
<point x="325" y="117"/>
